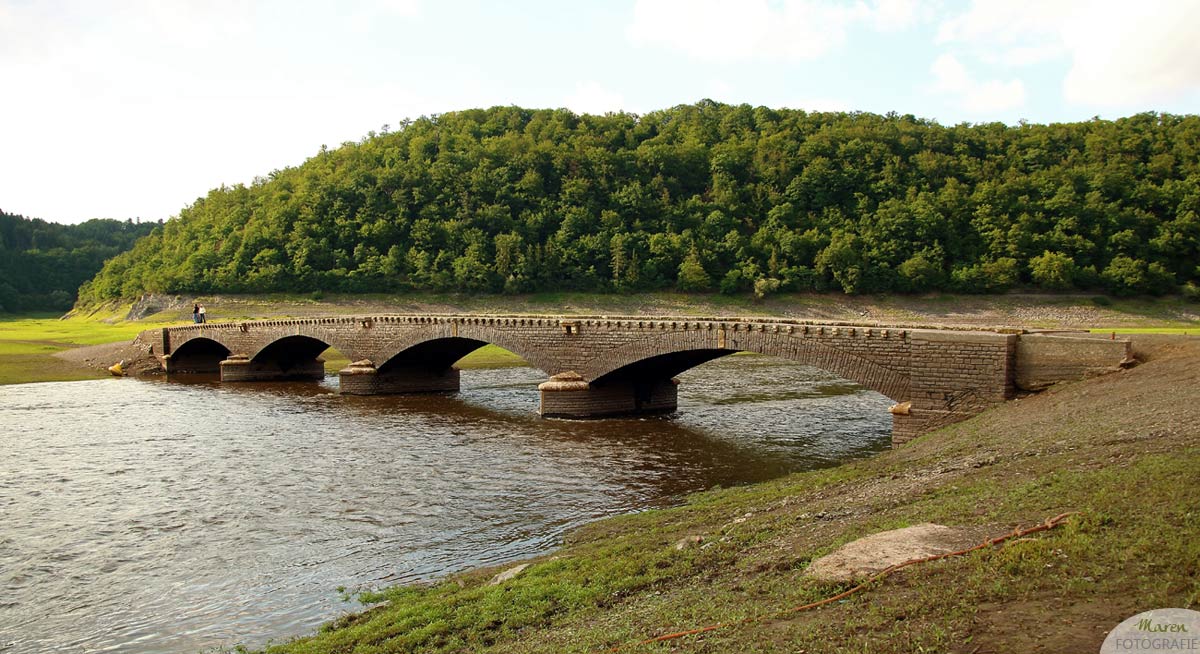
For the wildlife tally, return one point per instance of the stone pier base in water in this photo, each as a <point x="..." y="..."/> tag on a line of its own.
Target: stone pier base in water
<point x="362" y="378"/>
<point x="239" y="368"/>
<point x="567" y="395"/>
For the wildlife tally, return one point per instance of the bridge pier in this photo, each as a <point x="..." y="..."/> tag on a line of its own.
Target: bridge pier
<point x="172" y="366"/>
<point x="240" y="368"/>
<point x="362" y="378"/>
<point x="568" y="395"/>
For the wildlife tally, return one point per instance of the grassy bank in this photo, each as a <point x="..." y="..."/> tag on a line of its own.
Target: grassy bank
<point x="27" y="343"/>
<point x="1120" y="450"/>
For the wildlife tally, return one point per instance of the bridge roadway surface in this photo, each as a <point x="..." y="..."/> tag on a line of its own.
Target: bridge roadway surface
<point x="608" y="365"/>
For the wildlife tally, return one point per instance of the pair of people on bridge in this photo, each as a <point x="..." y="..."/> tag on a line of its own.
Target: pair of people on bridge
<point x="198" y="315"/>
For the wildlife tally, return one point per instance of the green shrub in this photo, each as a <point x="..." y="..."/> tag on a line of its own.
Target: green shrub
<point x="1053" y="270"/>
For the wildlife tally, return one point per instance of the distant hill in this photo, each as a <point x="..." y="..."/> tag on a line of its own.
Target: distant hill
<point x="42" y="264"/>
<point x="699" y="197"/>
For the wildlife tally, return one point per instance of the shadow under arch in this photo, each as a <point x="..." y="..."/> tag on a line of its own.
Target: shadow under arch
<point x="197" y="356"/>
<point x="422" y="366"/>
<point x="295" y="357"/>
<point x="290" y="351"/>
<point x="434" y="354"/>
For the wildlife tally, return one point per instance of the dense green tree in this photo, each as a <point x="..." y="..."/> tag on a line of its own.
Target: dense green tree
<point x="43" y="264"/>
<point x="697" y="196"/>
<point x="692" y="276"/>
<point x="1053" y="270"/>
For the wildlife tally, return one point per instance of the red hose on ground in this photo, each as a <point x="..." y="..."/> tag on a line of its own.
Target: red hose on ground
<point x="1049" y="523"/>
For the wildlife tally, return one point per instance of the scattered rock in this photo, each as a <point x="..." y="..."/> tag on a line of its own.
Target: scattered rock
<point x="688" y="541"/>
<point x="872" y="554"/>
<point x="508" y="574"/>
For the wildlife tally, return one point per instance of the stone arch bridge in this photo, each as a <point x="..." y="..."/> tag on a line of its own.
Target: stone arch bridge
<point x="602" y="365"/>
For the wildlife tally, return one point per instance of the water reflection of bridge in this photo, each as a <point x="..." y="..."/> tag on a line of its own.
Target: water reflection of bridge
<point x="603" y="365"/>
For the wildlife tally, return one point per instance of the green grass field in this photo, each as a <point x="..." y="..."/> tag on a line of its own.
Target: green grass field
<point x="1185" y="331"/>
<point x="27" y="343"/>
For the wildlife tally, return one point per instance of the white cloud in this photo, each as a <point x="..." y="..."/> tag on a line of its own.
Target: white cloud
<point x="989" y="96"/>
<point x="365" y="16"/>
<point x="895" y="15"/>
<point x="1120" y="54"/>
<point x="1145" y="52"/>
<point x="720" y="90"/>
<point x="818" y="104"/>
<point x="787" y="30"/>
<point x="156" y="103"/>
<point x="592" y="98"/>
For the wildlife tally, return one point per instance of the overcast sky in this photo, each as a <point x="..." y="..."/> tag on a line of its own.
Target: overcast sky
<point x="133" y="109"/>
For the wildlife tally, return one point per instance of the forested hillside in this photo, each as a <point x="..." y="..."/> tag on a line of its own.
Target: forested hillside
<point x="42" y="264"/>
<point x="699" y="197"/>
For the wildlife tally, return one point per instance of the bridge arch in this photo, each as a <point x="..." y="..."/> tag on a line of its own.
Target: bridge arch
<point x="198" y="355"/>
<point x="667" y="354"/>
<point x="289" y="351"/>
<point x="440" y="348"/>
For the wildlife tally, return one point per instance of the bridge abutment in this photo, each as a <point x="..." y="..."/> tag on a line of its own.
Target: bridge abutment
<point x="362" y="378"/>
<point x="953" y="375"/>
<point x="239" y="368"/>
<point x="568" y="395"/>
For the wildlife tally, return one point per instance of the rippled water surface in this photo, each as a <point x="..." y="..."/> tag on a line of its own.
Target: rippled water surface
<point x="140" y="516"/>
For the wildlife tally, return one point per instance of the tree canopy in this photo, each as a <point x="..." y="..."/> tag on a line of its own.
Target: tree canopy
<point x="42" y="264"/>
<point x="705" y="196"/>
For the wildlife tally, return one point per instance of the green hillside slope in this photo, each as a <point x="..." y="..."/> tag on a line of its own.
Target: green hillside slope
<point x="42" y="263"/>
<point x="699" y="197"/>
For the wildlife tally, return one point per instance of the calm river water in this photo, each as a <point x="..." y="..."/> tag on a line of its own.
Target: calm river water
<point x="149" y="516"/>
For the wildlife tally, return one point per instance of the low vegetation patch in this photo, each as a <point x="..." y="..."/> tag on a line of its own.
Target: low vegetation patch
<point x="28" y="343"/>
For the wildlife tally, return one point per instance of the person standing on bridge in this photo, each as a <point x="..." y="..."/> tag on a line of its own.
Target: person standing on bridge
<point x="196" y="313"/>
<point x="203" y="317"/>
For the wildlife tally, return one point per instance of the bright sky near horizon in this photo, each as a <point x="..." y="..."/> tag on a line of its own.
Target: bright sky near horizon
<point x="135" y="108"/>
